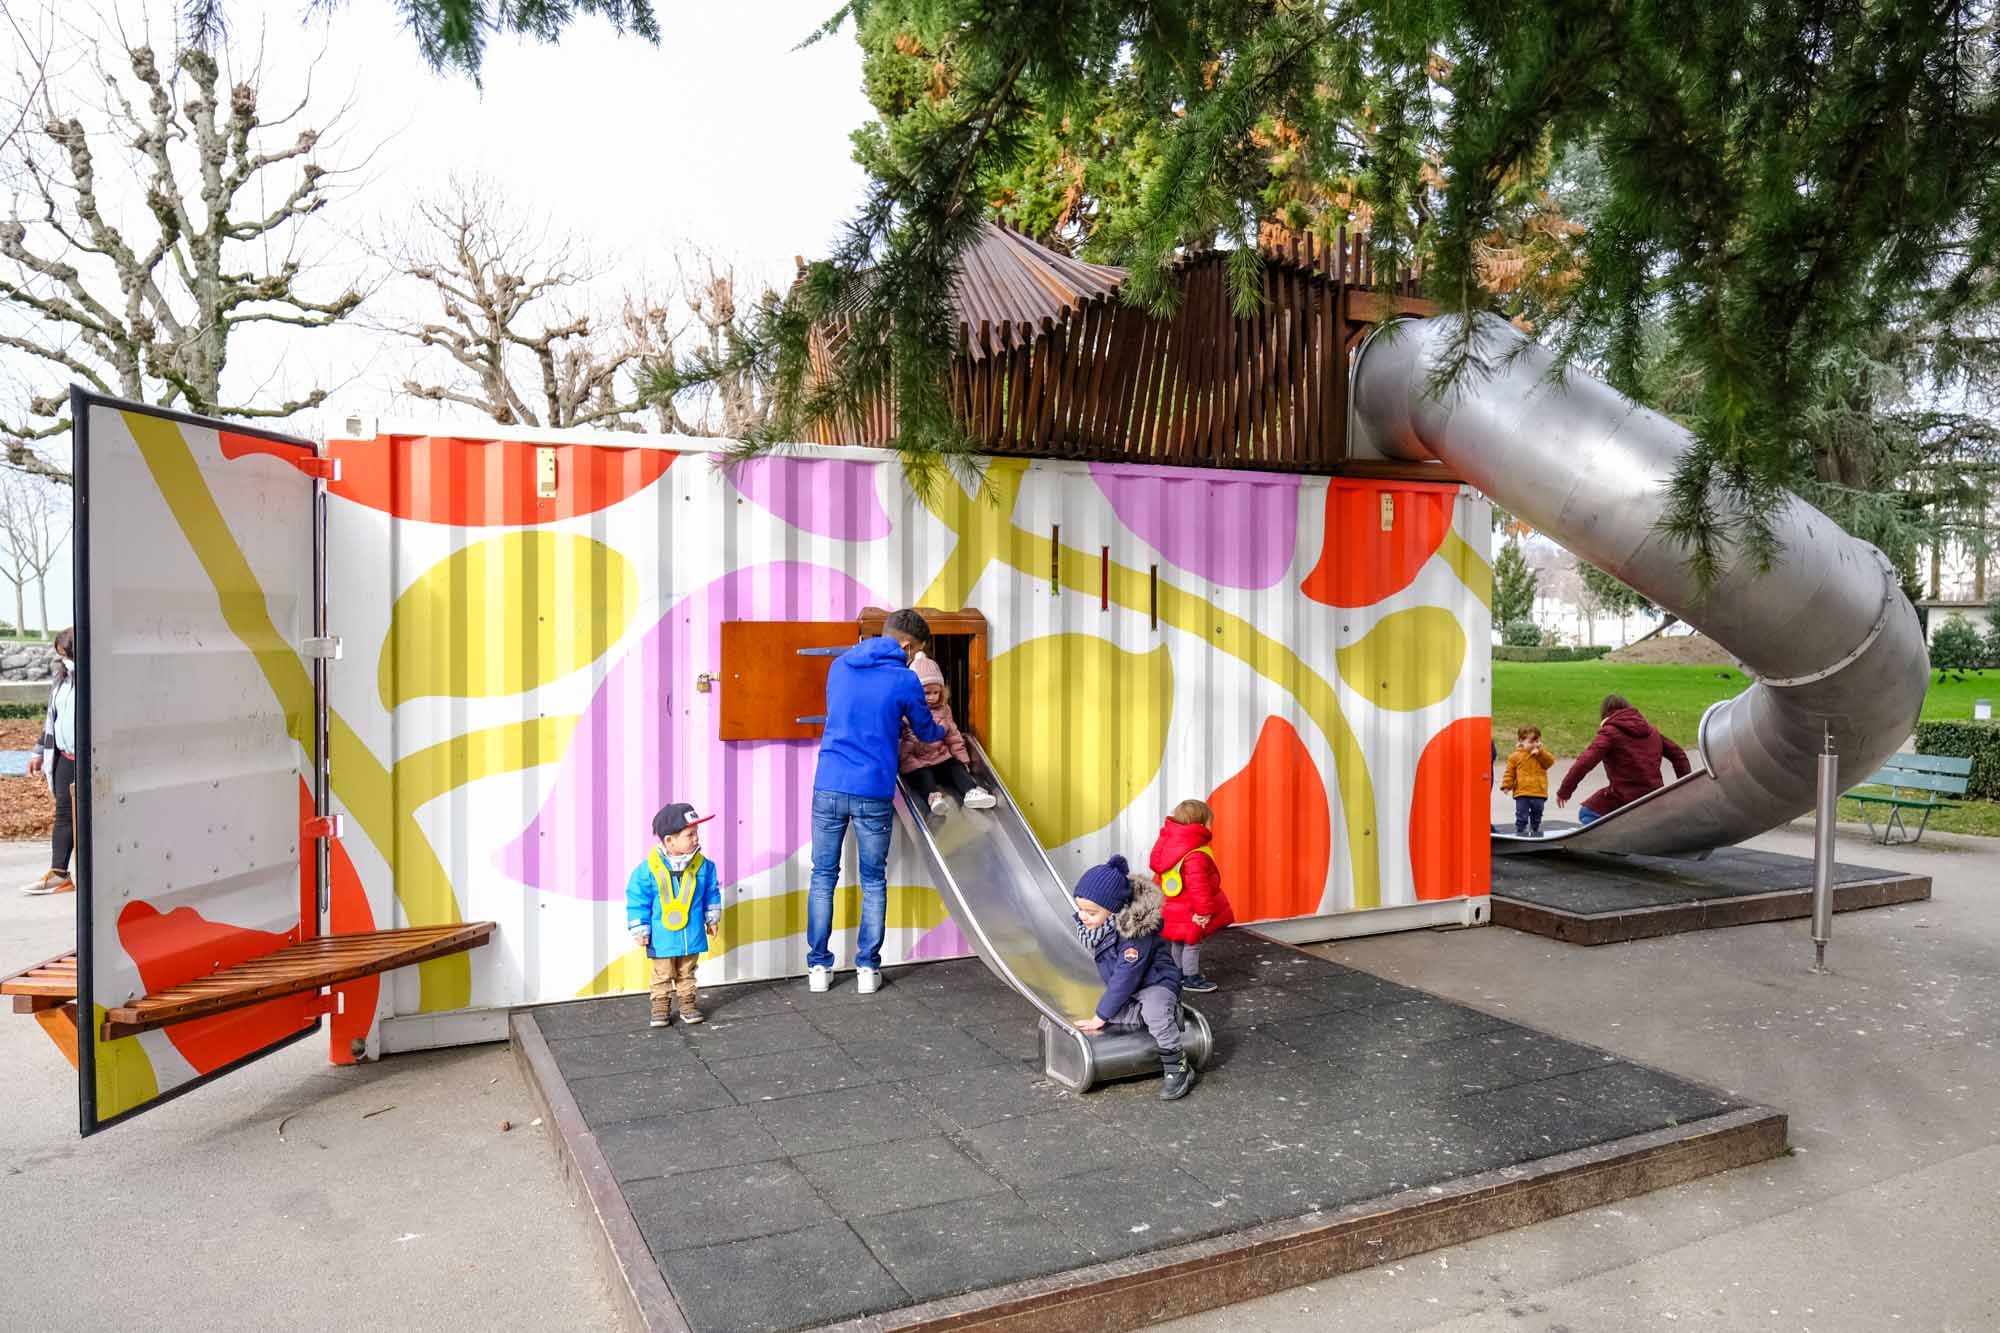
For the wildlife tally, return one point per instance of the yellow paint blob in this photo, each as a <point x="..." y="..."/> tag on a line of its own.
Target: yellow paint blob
<point x="1410" y="660"/>
<point x="1470" y="566"/>
<point x="125" y="1077"/>
<point x="778" y="916"/>
<point x="1080" y="727"/>
<point x="506" y="615"/>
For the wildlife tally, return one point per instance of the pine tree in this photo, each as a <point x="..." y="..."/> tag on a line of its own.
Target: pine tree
<point x="1513" y="586"/>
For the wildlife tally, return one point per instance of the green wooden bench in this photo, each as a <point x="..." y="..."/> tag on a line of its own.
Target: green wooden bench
<point x="1931" y="774"/>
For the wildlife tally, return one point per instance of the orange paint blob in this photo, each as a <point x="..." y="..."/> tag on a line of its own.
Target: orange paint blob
<point x="182" y="945"/>
<point x="1359" y="563"/>
<point x="1450" y="823"/>
<point x="489" y="483"/>
<point x="1273" y="833"/>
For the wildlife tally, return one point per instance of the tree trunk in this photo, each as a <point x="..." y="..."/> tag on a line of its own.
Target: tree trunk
<point x="20" y="607"/>
<point x="42" y="586"/>
<point x="1937" y="569"/>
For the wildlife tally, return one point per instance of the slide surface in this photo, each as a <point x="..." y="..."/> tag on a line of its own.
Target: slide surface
<point x="1825" y="632"/>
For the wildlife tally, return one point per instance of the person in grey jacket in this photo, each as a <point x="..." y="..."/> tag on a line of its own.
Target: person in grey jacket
<point x="55" y="755"/>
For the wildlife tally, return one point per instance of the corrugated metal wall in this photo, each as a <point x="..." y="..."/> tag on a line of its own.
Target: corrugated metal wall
<point x="1308" y="655"/>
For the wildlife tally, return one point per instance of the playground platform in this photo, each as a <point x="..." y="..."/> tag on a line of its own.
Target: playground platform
<point x="1594" y="898"/>
<point x="896" y="1161"/>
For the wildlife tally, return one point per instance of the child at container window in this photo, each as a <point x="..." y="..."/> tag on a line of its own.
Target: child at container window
<point x="673" y="901"/>
<point x="1527" y="777"/>
<point x="1184" y="867"/>
<point x="932" y="766"/>
<point x="1118" y="920"/>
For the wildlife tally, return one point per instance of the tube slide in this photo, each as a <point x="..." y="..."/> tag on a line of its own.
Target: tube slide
<point x="1015" y="910"/>
<point x="1832" y="643"/>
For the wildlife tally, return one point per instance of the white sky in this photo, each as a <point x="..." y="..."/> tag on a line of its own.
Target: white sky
<point x="722" y="135"/>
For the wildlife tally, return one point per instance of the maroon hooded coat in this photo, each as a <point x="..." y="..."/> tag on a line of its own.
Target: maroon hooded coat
<point x="1630" y="749"/>
<point x="1201" y="884"/>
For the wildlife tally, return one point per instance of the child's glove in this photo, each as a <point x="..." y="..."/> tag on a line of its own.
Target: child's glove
<point x="642" y="935"/>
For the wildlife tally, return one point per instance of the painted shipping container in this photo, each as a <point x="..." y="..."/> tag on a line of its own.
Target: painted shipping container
<point x="535" y="660"/>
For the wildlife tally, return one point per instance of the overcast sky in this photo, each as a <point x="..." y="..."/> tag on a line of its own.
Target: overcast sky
<point x="723" y="135"/>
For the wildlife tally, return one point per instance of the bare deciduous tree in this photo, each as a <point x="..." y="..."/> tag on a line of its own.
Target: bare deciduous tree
<point x="146" y="302"/>
<point x="34" y="528"/>
<point x="518" y="321"/>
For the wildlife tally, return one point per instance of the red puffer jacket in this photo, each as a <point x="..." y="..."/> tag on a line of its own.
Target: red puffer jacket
<point x="1201" y="891"/>
<point x="1630" y="749"/>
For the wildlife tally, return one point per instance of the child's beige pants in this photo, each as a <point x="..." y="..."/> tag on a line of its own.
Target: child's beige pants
<point x="669" y="975"/>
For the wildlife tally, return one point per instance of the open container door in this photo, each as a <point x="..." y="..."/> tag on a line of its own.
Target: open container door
<point x="200" y="726"/>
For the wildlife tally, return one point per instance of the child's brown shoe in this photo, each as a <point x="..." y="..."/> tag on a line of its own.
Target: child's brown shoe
<point x="690" y="1014"/>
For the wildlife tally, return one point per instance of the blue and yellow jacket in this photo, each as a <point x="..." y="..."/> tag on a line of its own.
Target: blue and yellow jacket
<point x="677" y="908"/>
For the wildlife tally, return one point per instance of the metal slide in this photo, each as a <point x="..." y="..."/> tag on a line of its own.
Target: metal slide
<point x="1833" y="645"/>
<point x="1016" y="911"/>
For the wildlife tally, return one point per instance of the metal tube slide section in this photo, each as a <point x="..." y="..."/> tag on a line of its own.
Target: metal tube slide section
<point x="1826" y="631"/>
<point x="1016" y="911"/>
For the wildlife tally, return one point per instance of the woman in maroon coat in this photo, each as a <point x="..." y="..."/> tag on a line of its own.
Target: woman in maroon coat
<point x="1630" y="749"/>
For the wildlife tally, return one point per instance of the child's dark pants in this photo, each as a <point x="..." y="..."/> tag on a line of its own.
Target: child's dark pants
<point x="950" y="775"/>
<point x="1158" y="1010"/>
<point x="1528" y="813"/>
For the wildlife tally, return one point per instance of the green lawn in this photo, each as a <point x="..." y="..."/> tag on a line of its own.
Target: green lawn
<point x="1562" y="699"/>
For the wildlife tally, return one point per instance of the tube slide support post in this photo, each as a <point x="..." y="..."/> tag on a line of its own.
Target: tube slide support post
<point x="1823" y="826"/>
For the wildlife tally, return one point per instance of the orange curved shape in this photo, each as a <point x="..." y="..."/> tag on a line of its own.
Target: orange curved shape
<point x="1359" y="563"/>
<point x="183" y="945"/>
<point x="235" y="444"/>
<point x="1273" y="833"/>
<point x="488" y="483"/>
<point x="1450" y="818"/>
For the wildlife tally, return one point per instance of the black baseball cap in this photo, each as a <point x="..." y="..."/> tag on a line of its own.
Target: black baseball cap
<point x="673" y="818"/>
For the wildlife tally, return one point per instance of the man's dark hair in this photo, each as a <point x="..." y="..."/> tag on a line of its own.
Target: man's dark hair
<point x="909" y="624"/>
<point x="1612" y="703"/>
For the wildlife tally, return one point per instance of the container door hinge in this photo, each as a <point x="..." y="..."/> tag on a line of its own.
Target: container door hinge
<point x="318" y="467"/>
<point x="325" y="649"/>
<point x="328" y="827"/>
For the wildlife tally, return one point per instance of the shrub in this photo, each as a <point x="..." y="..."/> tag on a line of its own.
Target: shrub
<point x="1521" y="634"/>
<point x="1977" y="741"/>
<point x="1550" y="653"/>
<point x="1957" y="646"/>
<point x="1993" y="641"/>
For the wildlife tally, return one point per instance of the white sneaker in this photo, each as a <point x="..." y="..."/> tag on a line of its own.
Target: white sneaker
<point x="940" y="804"/>
<point x="867" y="980"/>
<point x="979" y="799"/>
<point x="817" y="979"/>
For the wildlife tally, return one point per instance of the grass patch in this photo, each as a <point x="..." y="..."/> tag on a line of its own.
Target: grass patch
<point x="1562" y="699"/>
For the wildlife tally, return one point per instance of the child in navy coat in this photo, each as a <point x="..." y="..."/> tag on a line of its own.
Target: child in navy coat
<point x="1118" y="919"/>
<point x="673" y="901"/>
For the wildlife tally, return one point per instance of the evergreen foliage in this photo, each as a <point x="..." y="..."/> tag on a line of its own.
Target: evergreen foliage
<point x="1610" y="595"/>
<point x="1513" y="588"/>
<point x="452" y="34"/>
<point x="1957" y="647"/>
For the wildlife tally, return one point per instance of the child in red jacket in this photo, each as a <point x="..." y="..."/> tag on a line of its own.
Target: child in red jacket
<point x="1184" y="868"/>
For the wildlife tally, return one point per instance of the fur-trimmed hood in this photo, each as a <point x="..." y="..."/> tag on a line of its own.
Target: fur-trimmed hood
<point x="1144" y="914"/>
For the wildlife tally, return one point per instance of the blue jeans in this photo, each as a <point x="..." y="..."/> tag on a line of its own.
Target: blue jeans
<point x="1586" y="815"/>
<point x="872" y="819"/>
<point x="1528" y="813"/>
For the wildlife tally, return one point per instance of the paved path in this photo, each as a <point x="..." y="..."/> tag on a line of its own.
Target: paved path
<point x="1889" y="1066"/>
<point x="423" y="1217"/>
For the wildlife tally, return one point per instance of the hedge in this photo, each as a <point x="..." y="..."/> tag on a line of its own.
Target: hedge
<point x="1977" y="741"/>
<point x="36" y="711"/>
<point x="1509" y="654"/>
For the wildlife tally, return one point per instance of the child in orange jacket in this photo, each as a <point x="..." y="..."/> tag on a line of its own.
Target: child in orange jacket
<point x="1528" y="778"/>
<point x="1184" y="867"/>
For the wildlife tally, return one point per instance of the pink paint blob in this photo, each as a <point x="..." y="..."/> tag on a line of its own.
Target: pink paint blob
<point x="1236" y="531"/>
<point x="649" y="737"/>
<point x="829" y="497"/>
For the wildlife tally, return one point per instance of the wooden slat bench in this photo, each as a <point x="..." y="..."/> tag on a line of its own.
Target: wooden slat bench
<point x="48" y="991"/>
<point x="1931" y="774"/>
<point x="305" y="966"/>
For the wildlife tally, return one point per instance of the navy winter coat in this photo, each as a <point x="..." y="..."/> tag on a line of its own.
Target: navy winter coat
<point x="870" y="693"/>
<point x="1132" y="956"/>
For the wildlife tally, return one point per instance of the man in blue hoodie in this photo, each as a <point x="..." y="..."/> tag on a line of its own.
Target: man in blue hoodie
<point x="870" y="693"/>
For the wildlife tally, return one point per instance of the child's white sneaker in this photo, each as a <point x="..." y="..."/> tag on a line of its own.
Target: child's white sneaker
<point x="817" y="979"/>
<point x="979" y="799"/>
<point x="940" y="803"/>
<point x="867" y="980"/>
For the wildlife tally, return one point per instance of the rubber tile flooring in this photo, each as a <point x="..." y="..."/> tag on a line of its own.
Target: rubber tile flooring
<point x="800" y="1158"/>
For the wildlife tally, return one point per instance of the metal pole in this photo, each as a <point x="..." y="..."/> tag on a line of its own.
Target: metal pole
<point x="1829" y="797"/>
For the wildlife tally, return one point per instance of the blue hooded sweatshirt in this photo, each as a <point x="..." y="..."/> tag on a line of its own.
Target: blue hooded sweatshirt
<point x="870" y="693"/>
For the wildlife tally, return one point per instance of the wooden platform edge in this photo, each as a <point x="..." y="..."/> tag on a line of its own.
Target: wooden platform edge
<point x="1258" y="1261"/>
<point x="130" y="1020"/>
<point x="1643" y="923"/>
<point x="634" y="1276"/>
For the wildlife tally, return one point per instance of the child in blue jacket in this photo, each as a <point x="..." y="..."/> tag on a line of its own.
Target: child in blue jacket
<point x="1118" y="916"/>
<point x="672" y="902"/>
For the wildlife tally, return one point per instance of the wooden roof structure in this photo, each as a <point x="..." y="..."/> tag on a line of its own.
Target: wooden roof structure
<point x="1052" y="364"/>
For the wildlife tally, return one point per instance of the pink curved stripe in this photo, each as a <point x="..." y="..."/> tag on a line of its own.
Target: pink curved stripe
<point x="1238" y="531"/>
<point x="829" y="497"/>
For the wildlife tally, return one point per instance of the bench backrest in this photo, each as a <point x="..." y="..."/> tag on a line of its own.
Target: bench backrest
<point x="1925" y="772"/>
